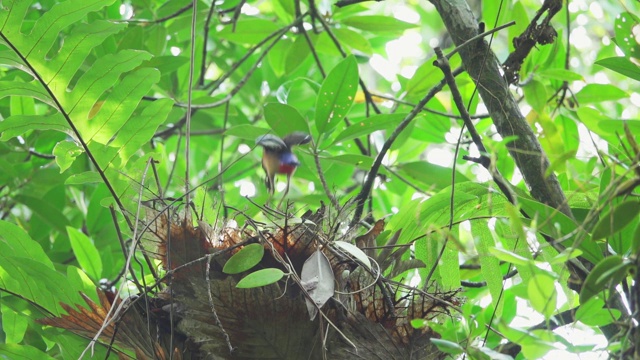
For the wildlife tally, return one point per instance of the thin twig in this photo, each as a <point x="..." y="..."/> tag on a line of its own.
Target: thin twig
<point x="192" y="57"/>
<point x="479" y="36"/>
<point x="368" y="184"/>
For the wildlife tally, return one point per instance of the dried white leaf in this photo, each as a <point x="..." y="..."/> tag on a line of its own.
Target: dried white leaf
<point x="318" y="280"/>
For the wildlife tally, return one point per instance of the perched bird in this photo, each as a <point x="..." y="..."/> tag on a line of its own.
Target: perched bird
<point x="278" y="157"/>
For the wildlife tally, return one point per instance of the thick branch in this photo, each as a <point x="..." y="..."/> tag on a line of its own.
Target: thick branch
<point x="483" y="67"/>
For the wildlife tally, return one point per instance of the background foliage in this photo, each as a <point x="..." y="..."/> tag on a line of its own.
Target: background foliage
<point x="91" y="91"/>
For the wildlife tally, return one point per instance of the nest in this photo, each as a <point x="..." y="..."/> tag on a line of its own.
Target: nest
<point x="199" y="313"/>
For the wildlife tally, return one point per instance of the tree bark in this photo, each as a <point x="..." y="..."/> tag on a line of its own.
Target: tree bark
<point x="483" y="66"/>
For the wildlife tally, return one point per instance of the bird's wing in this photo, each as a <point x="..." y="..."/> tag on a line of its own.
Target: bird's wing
<point x="296" y="138"/>
<point x="271" y="142"/>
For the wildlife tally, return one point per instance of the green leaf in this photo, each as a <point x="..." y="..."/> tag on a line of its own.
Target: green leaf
<point x="353" y="40"/>
<point x="536" y="95"/>
<point x="260" y="278"/>
<point x="542" y="294"/>
<point x="102" y="76"/>
<point x="36" y="282"/>
<point x="626" y="25"/>
<point x="98" y="90"/>
<point x="137" y="131"/>
<point x="419" y="323"/>
<point x="594" y="313"/>
<point x="564" y="256"/>
<point x="113" y="113"/>
<point x="447" y="346"/>
<point x="366" y="125"/>
<point x="378" y="24"/>
<point x="88" y="177"/>
<point x="79" y="280"/>
<point x="166" y="64"/>
<point x="14" y="325"/>
<point x="533" y="345"/>
<point x="248" y="257"/>
<point x="610" y="269"/>
<point x="559" y="163"/>
<point x="284" y="119"/>
<point x="621" y="65"/>
<point x="596" y="93"/>
<point x="353" y="160"/>
<point x="247" y="132"/>
<point x="22" y="105"/>
<point x="66" y="152"/>
<point x="484" y="352"/>
<point x="508" y="256"/>
<point x="449" y="268"/>
<point x="489" y="265"/>
<point x="15" y="241"/>
<point x="336" y="95"/>
<point x="22" y="89"/>
<point x="22" y="352"/>
<point x="635" y="242"/>
<point x="20" y="124"/>
<point x="48" y="26"/>
<point x="434" y="177"/>
<point x="297" y="53"/>
<point x="615" y="220"/>
<point x="86" y="253"/>
<point x="59" y="71"/>
<point x="248" y="31"/>
<point x="536" y="348"/>
<point x="278" y="56"/>
<point x="560" y="74"/>
<point x="556" y="224"/>
<point x="47" y="211"/>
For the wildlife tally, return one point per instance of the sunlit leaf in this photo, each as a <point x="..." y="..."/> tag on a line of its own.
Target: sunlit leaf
<point x="297" y="53"/>
<point x="489" y="265"/>
<point x="336" y="95"/>
<point x="248" y="31"/>
<point x="595" y="93"/>
<point x="595" y="313"/>
<point x="66" y="152"/>
<point x="354" y="40"/>
<point x="86" y="253"/>
<point x="509" y="256"/>
<point x="14" y="325"/>
<point x="378" y="23"/>
<point x="561" y="74"/>
<point x="365" y="126"/>
<point x="621" y="65"/>
<point x="434" y="177"/>
<point x="536" y="94"/>
<point x="626" y="27"/>
<point x="542" y="294"/>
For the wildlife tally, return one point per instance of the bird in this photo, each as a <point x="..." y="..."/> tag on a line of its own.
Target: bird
<point x="278" y="158"/>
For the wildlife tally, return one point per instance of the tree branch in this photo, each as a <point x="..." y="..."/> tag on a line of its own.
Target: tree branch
<point x="504" y="110"/>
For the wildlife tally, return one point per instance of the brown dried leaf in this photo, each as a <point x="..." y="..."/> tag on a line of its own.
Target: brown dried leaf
<point x="367" y="241"/>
